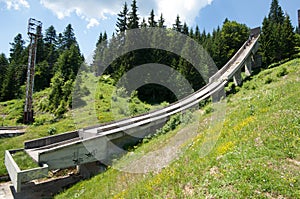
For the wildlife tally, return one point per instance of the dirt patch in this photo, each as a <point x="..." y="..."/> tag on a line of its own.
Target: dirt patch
<point x="156" y="160"/>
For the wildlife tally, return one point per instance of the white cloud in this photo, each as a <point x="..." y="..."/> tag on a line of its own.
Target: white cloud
<point x="89" y="10"/>
<point x="15" y="4"/>
<point x="94" y="10"/>
<point x="188" y="10"/>
<point x="93" y="22"/>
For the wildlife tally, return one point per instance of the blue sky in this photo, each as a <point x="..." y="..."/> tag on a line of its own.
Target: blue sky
<point x="90" y="17"/>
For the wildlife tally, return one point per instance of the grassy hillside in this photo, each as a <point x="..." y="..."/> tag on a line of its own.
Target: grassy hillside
<point x="257" y="154"/>
<point x="46" y="124"/>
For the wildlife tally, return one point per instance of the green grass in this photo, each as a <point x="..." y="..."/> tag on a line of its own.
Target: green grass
<point x="32" y="132"/>
<point x="256" y="156"/>
<point x="105" y="103"/>
<point x="24" y="161"/>
<point x="11" y="113"/>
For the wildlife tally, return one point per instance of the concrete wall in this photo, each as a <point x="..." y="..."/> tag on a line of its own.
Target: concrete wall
<point x="50" y="140"/>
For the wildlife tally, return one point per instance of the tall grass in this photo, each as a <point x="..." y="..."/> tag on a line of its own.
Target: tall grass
<point x="256" y="156"/>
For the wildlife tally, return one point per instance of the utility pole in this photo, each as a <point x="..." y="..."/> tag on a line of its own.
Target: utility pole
<point x="299" y="18"/>
<point x="34" y="32"/>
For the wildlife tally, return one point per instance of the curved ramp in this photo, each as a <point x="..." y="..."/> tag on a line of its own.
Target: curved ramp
<point x="95" y="143"/>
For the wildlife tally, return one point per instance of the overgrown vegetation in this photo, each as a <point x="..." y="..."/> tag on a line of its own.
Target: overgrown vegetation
<point x="59" y="59"/>
<point x="47" y="124"/>
<point x="24" y="161"/>
<point x="256" y="155"/>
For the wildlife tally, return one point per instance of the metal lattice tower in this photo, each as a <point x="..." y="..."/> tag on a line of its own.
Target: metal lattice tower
<point x="34" y="32"/>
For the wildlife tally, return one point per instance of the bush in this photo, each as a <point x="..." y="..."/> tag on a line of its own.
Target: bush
<point x="39" y="121"/>
<point x="107" y="79"/>
<point x="208" y="109"/>
<point x="122" y="92"/>
<point x="175" y="121"/>
<point x="43" y="104"/>
<point x="164" y="104"/>
<point x="62" y="108"/>
<point x="268" y="80"/>
<point x="282" y="72"/>
<point x="101" y="96"/>
<point x="250" y="85"/>
<point x="52" y="130"/>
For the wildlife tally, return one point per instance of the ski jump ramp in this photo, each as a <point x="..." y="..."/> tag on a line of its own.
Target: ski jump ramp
<point x="73" y="148"/>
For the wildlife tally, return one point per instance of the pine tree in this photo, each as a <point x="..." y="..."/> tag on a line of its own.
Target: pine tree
<point x="99" y="51"/>
<point x="144" y="24"/>
<point x="42" y="76"/>
<point x="50" y="36"/>
<point x="69" y="62"/>
<point x="59" y="43"/>
<point x="276" y="14"/>
<point x="67" y="67"/>
<point x="218" y="49"/>
<point x="191" y="33"/>
<point x="10" y="85"/>
<point x="68" y="38"/>
<point x="15" y="75"/>
<point x="122" y="19"/>
<point x="151" y="19"/>
<point x="3" y="68"/>
<point x="17" y="49"/>
<point x="161" y="21"/>
<point x="287" y="38"/>
<point x="267" y="44"/>
<point x="185" y="29"/>
<point x="177" y="26"/>
<point x="47" y="47"/>
<point x="203" y="37"/>
<point x="133" y="19"/>
<point x="277" y="38"/>
<point x="41" y="50"/>
<point x="197" y="34"/>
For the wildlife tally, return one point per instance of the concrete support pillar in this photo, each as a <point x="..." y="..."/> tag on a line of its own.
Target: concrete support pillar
<point x="248" y="66"/>
<point x="258" y="61"/>
<point x="237" y="78"/>
<point x="91" y="169"/>
<point x="218" y="95"/>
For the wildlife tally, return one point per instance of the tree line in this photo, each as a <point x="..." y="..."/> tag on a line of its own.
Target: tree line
<point x="278" y="38"/>
<point x="221" y="44"/>
<point x="59" y="58"/>
<point x="278" y="41"/>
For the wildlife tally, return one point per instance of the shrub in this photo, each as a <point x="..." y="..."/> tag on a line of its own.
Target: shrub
<point x="268" y="80"/>
<point x="282" y="72"/>
<point x="52" y="130"/>
<point x="39" y="121"/>
<point x="249" y="85"/>
<point x="208" y="109"/>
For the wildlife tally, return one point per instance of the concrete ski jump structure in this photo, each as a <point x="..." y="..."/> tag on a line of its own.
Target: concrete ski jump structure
<point x="72" y="149"/>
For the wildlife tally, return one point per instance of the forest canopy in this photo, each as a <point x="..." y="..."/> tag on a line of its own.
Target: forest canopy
<point x="59" y="57"/>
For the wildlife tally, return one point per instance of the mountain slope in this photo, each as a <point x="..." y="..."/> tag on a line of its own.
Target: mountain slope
<point x="257" y="154"/>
